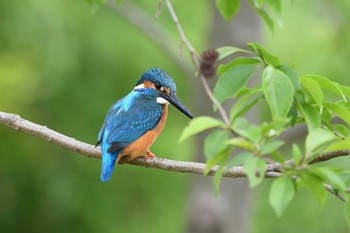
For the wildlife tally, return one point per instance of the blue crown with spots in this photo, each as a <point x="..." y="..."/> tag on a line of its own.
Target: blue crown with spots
<point x="157" y="75"/>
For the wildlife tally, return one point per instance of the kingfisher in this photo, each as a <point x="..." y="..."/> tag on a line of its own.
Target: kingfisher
<point x="134" y="122"/>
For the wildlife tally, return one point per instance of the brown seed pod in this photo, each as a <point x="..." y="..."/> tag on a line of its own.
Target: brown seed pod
<point x="207" y="63"/>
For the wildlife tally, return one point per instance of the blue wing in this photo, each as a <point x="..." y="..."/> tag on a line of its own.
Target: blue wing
<point x="111" y="112"/>
<point x="126" y="121"/>
<point x="129" y="119"/>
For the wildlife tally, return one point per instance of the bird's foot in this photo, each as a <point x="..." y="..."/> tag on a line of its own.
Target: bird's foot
<point x="149" y="154"/>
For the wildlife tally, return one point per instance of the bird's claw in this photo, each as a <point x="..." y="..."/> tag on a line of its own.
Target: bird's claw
<point x="149" y="154"/>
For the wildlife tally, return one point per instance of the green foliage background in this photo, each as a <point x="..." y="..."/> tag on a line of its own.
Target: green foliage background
<point x="62" y="66"/>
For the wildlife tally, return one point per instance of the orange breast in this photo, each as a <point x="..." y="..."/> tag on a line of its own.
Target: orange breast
<point x="142" y="144"/>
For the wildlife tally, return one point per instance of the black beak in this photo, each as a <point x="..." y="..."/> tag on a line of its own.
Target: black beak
<point x="177" y="104"/>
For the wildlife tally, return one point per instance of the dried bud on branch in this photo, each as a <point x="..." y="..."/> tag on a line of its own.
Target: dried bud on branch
<point x="207" y="63"/>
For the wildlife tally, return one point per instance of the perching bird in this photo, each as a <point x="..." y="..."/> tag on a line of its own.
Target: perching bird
<point x="133" y="123"/>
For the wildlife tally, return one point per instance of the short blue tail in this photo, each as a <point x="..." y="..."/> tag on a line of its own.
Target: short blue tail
<point x="108" y="163"/>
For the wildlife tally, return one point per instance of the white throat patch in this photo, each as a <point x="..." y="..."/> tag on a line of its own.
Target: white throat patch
<point x="161" y="100"/>
<point x="139" y="86"/>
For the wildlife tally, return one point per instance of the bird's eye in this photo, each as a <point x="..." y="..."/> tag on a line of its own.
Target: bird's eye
<point x="158" y="86"/>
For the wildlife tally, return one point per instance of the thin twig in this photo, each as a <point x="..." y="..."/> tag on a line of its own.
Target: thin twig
<point x="182" y="34"/>
<point x="335" y="193"/>
<point x="196" y="62"/>
<point x="159" y="8"/>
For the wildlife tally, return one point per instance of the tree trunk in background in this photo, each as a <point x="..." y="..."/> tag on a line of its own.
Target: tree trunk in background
<point x="230" y="211"/>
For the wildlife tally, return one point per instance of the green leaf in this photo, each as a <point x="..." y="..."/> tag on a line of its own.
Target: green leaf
<point x="271" y="146"/>
<point x="313" y="88"/>
<point x="267" y="18"/>
<point x="119" y="2"/>
<point x="326" y="118"/>
<point x="227" y="8"/>
<point x="292" y="75"/>
<point x="315" y="185"/>
<point x="200" y="124"/>
<point x="274" y="128"/>
<point x="245" y="103"/>
<point x="293" y="115"/>
<point x="297" y="156"/>
<point x="311" y="116"/>
<point x="339" y="110"/>
<point x="281" y="194"/>
<point x="256" y="3"/>
<point x="341" y="145"/>
<point x="241" y="109"/>
<point x="251" y="166"/>
<point x="227" y="51"/>
<point x="277" y="156"/>
<point x="217" y="179"/>
<point x="266" y="56"/>
<point x="325" y="83"/>
<point x="231" y="81"/>
<point x="238" y="61"/>
<point x="345" y="90"/>
<point x="279" y="92"/>
<point x="219" y="158"/>
<point x="331" y="177"/>
<point x="341" y="129"/>
<point x="244" y="91"/>
<point x="214" y="143"/>
<point x="243" y="128"/>
<point x="239" y="159"/>
<point x="276" y="6"/>
<point x="319" y="138"/>
<point x="241" y="143"/>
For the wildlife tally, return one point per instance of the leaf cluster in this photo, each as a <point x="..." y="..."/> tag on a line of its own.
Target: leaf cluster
<point x="259" y="79"/>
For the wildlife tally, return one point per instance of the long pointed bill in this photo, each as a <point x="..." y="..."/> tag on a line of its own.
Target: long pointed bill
<point x="177" y="104"/>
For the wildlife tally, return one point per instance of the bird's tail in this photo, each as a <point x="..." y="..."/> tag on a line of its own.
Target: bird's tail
<point x="108" y="163"/>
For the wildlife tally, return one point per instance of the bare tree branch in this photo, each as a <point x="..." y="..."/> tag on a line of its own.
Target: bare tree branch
<point x="20" y="124"/>
<point x="16" y="122"/>
<point x="273" y="170"/>
<point x="330" y="155"/>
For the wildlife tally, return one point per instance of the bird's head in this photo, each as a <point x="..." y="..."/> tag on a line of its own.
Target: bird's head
<point x="159" y="80"/>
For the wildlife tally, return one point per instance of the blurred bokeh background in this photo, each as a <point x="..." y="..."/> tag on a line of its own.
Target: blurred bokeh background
<point x="63" y="66"/>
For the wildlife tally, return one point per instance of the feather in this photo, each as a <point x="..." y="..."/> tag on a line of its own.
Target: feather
<point x="128" y="124"/>
<point x="126" y="121"/>
<point x="108" y="160"/>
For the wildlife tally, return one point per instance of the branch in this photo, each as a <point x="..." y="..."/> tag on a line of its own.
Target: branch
<point x="16" y="122"/>
<point x="335" y="193"/>
<point x="323" y="157"/>
<point x="330" y="155"/>
<point x="196" y="62"/>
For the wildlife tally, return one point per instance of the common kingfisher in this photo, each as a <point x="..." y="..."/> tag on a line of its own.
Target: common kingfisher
<point x="134" y="122"/>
